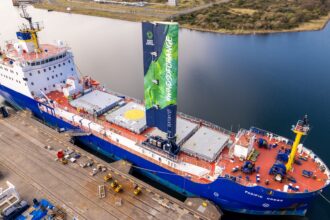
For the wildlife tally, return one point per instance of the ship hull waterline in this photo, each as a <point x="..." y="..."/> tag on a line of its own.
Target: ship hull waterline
<point x="227" y="194"/>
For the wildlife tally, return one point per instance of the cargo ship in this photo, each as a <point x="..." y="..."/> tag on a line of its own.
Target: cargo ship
<point x="251" y="171"/>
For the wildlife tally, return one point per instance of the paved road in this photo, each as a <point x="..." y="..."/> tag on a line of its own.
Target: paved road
<point x="145" y="11"/>
<point x="197" y="8"/>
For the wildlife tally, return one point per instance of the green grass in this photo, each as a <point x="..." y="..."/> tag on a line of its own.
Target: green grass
<point x="267" y="16"/>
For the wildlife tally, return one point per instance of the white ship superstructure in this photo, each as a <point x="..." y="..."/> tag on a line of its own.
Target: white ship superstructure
<point x="35" y="69"/>
<point x="34" y="74"/>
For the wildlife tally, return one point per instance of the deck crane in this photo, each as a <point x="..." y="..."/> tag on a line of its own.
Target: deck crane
<point x="285" y="159"/>
<point x="300" y="129"/>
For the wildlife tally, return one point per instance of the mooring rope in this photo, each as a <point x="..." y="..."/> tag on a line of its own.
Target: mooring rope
<point x="325" y="198"/>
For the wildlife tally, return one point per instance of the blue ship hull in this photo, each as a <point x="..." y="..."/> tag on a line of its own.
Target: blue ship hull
<point x="227" y="194"/>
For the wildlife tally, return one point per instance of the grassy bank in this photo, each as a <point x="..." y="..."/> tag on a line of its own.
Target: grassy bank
<point x="312" y="25"/>
<point x="260" y="16"/>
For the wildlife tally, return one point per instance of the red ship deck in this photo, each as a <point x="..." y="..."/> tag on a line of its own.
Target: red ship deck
<point x="47" y="50"/>
<point x="265" y="160"/>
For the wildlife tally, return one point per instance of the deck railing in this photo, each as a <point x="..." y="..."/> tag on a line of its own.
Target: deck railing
<point x="265" y="132"/>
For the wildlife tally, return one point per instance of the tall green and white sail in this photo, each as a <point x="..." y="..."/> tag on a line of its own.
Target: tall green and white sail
<point x="160" y="46"/>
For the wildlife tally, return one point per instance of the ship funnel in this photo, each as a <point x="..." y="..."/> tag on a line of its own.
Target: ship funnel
<point x="160" y="55"/>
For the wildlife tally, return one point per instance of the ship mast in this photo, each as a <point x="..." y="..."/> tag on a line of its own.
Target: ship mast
<point x="33" y="28"/>
<point x="26" y="16"/>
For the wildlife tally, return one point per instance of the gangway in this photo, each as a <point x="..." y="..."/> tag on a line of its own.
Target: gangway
<point x="77" y="132"/>
<point x="8" y="197"/>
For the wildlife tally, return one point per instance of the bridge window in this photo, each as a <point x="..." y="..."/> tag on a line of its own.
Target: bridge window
<point x="30" y="74"/>
<point x="44" y="70"/>
<point x="38" y="71"/>
<point x="32" y="83"/>
<point x="49" y="68"/>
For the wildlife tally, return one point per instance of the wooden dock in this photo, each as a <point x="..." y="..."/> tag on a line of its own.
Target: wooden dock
<point x="27" y="159"/>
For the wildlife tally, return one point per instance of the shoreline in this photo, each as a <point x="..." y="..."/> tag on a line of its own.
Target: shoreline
<point x="313" y="25"/>
<point x="321" y="24"/>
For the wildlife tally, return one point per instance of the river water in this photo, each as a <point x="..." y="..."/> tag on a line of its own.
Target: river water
<point x="268" y="81"/>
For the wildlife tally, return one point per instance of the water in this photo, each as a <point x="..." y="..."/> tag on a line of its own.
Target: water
<point x="268" y="81"/>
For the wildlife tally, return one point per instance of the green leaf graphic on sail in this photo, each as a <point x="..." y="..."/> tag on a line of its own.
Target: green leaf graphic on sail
<point x="163" y="72"/>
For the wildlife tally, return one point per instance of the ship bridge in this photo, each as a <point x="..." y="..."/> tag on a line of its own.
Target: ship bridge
<point x="48" y="53"/>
